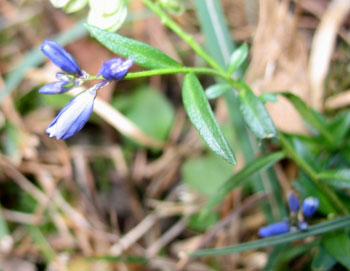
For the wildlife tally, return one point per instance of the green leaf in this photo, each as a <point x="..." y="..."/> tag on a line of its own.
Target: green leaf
<point x="339" y="178"/>
<point x="242" y="176"/>
<point x="268" y="97"/>
<point x="337" y="245"/>
<point x="255" y="114"/>
<point x="143" y="54"/>
<point x="340" y="126"/>
<point x="321" y="228"/>
<point x="237" y="58"/>
<point x="308" y="115"/>
<point x="322" y="260"/>
<point x="217" y="90"/>
<point x="200" y="114"/>
<point x="205" y="174"/>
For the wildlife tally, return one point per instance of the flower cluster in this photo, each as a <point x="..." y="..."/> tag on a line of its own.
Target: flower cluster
<point x="72" y="118"/>
<point x="295" y="221"/>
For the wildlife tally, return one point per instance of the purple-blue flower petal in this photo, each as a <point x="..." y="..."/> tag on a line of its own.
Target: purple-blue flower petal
<point x="274" y="229"/>
<point x="293" y="202"/>
<point x="56" y="87"/>
<point x="58" y="55"/>
<point x="310" y="206"/>
<point x="115" y="68"/>
<point x="72" y="118"/>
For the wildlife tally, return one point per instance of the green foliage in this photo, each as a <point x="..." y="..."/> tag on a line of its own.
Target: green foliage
<point x="215" y="91"/>
<point x="143" y="54"/>
<point x="202" y="117"/>
<point x="337" y="245"/>
<point x="173" y="6"/>
<point x="255" y="114"/>
<point x="323" y="260"/>
<point x="237" y="58"/>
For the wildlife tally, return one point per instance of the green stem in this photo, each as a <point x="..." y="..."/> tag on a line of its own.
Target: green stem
<point x="312" y="174"/>
<point x="197" y="70"/>
<point x="166" y="20"/>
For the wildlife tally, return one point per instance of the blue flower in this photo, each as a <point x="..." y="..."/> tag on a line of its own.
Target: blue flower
<point x="310" y="206"/>
<point x="115" y="68"/>
<point x="57" y="87"/>
<point x="293" y="203"/>
<point x="274" y="229"/>
<point x="73" y="116"/>
<point x="60" y="57"/>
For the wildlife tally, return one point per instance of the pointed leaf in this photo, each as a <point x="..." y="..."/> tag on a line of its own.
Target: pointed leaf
<point x="337" y="177"/>
<point x="308" y="115"/>
<point x="237" y="58"/>
<point x="143" y="54"/>
<point x="215" y="91"/>
<point x="255" y="114"/>
<point x="200" y="114"/>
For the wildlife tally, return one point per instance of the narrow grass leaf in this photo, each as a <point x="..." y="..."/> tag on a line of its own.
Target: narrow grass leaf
<point x="143" y="54"/>
<point x="308" y="115"/>
<point x="215" y="91"/>
<point x="255" y="114"/>
<point x="339" y="178"/>
<point x="318" y="229"/>
<point x="43" y="245"/>
<point x="202" y="117"/>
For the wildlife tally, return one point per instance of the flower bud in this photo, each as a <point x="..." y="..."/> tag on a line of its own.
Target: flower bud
<point x="310" y="206"/>
<point x="115" y="68"/>
<point x="58" y="55"/>
<point x="293" y="203"/>
<point x="303" y="226"/>
<point x="73" y="116"/>
<point x="57" y="87"/>
<point x="274" y="229"/>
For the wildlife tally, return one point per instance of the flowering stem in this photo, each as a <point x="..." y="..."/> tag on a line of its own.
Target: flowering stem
<point x="196" y="70"/>
<point x="312" y="174"/>
<point x="166" y="20"/>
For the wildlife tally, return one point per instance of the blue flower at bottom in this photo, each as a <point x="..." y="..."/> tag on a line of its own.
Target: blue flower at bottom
<point x="72" y="118"/>
<point x="274" y="229"/>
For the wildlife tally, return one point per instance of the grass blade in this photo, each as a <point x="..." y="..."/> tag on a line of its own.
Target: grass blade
<point x="318" y="229"/>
